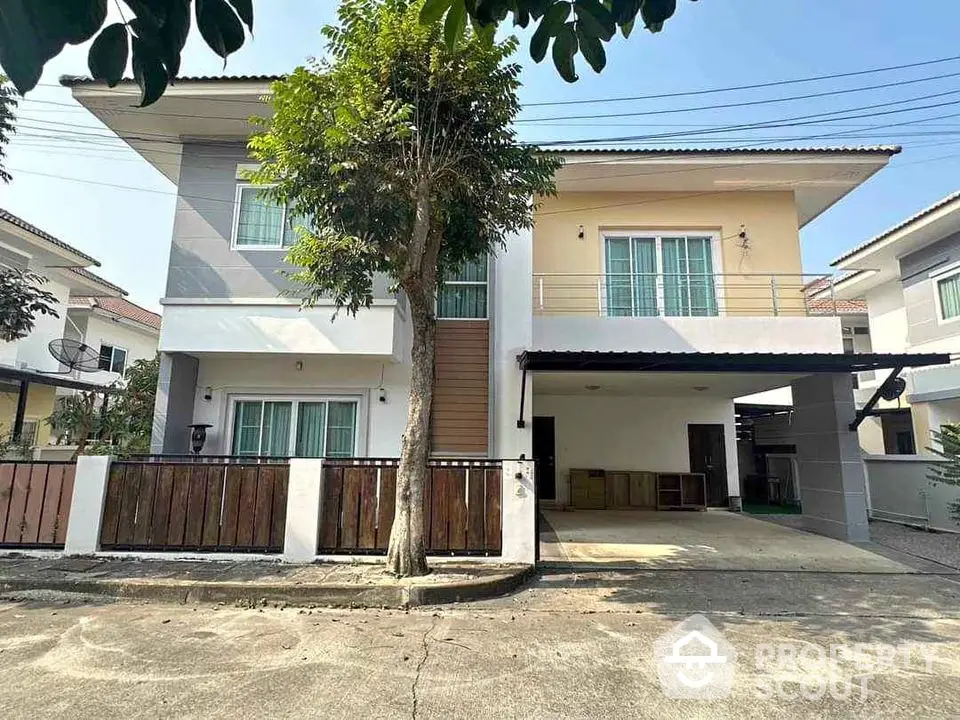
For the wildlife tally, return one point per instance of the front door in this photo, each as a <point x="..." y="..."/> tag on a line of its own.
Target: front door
<point x="708" y="456"/>
<point x="544" y="455"/>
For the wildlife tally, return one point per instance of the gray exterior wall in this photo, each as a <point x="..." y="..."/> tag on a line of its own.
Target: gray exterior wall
<point x="202" y="264"/>
<point x="176" y="391"/>
<point x="919" y="291"/>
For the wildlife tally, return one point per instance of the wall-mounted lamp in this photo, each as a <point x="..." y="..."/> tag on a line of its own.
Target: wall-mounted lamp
<point x="299" y="365"/>
<point x="383" y="396"/>
<point x="580" y="233"/>
<point x="208" y="394"/>
<point x="198" y="436"/>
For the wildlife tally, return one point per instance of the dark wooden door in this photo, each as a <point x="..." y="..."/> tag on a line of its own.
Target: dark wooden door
<point x="708" y="456"/>
<point x="544" y="455"/>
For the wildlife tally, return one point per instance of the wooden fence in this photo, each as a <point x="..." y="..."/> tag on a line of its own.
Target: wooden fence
<point x="35" y="504"/>
<point x="461" y="511"/>
<point x="205" y="507"/>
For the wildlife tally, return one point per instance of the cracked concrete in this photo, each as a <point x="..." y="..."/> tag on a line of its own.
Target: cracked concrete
<point x="423" y="661"/>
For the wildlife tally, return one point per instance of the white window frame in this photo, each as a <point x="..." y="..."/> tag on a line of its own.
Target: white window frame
<point x="473" y="283"/>
<point x="235" y="232"/>
<point x="950" y="271"/>
<point x="716" y="256"/>
<point x="113" y="349"/>
<point x="295" y="401"/>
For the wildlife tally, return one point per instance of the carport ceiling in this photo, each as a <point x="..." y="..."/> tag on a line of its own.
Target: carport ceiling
<point x="665" y="384"/>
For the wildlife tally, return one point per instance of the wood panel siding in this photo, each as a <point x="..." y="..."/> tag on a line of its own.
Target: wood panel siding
<point x="461" y="394"/>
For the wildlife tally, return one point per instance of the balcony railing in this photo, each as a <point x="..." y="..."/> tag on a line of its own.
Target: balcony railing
<point x="683" y="295"/>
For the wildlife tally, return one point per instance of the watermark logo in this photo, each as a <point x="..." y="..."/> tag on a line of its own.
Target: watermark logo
<point x="694" y="661"/>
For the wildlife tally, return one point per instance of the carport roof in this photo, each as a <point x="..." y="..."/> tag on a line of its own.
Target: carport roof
<point x="793" y="363"/>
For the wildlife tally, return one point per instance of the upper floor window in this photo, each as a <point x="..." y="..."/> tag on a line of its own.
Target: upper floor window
<point x="261" y="223"/>
<point x="463" y="295"/>
<point x="112" y="359"/>
<point x="948" y="294"/>
<point x="652" y="275"/>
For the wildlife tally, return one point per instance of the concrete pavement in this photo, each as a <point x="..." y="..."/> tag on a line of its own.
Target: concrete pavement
<point x="572" y="645"/>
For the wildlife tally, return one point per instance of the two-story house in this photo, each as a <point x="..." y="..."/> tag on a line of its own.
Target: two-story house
<point x="609" y="343"/>
<point x="88" y="309"/>
<point x="909" y="277"/>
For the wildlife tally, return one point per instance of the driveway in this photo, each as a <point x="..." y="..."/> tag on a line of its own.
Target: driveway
<point x="713" y="540"/>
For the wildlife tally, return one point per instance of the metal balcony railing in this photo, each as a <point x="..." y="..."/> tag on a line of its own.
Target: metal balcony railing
<point x="683" y="295"/>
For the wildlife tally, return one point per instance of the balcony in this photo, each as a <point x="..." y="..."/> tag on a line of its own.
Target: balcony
<point x="684" y="313"/>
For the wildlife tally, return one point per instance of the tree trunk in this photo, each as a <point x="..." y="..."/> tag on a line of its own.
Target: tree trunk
<point x="407" y="554"/>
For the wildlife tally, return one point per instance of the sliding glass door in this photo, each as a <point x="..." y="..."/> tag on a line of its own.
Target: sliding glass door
<point x="298" y="428"/>
<point x="654" y="275"/>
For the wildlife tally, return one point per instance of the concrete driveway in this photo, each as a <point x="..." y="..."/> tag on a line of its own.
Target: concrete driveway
<point x="713" y="540"/>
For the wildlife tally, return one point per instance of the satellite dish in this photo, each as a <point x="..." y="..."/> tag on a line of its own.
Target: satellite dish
<point x="894" y="390"/>
<point x="75" y="354"/>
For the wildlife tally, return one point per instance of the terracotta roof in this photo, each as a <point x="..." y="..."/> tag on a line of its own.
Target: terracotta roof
<point x="122" y="308"/>
<point x="84" y="273"/>
<point x="897" y="228"/>
<point x="828" y="305"/>
<point x="34" y="230"/>
<point x="844" y="149"/>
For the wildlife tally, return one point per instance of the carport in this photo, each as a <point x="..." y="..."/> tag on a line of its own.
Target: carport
<point x="632" y="411"/>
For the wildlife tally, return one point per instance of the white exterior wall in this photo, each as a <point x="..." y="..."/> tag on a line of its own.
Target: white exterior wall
<point x="512" y="329"/>
<point x="278" y="327"/>
<point x="32" y="351"/>
<point x="689" y="334"/>
<point x="139" y="344"/>
<point x="380" y="425"/>
<point x="633" y="433"/>
<point x="888" y="318"/>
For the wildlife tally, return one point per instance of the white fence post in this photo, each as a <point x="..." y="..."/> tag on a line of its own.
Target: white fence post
<point x="304" y="501"/>
<point x="86" y="505"/>
<point x="519" y="508"/>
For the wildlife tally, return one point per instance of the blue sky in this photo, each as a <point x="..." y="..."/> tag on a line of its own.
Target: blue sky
<point x="70" y="188"/>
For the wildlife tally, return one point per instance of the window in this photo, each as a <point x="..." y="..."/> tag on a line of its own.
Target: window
<point x="948" y="296"/>
<point x="298" y="428"/>
<point x="660" y="275"/>
<point x="112" y="359"/>
<point x="463" y="295"/>
<point x="262" y="224"/>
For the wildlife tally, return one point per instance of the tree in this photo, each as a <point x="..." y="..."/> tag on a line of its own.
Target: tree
<point x="399" y="156"/>
<point x="33" y="32"/>
<point x="21" y="300"/>
<point x="947" y="446"/>
<point x="8" y="106"/>
<point x="123" y="427"/>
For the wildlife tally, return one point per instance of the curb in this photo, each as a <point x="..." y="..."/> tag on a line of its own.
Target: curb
<point x="359" y="596"/>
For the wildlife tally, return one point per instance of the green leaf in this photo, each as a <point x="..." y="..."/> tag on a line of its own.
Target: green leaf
<point x="592" y="50"/>
<point x="433" y="10"/>
<point x="550" y="24"/>
<point x="74" y="22"/>
<point x="148" y="71"/>
<point x="219" y="26"/>
<point x="173" y="35"/>
<point x="626" y="29"/>
<point x="624" y="11"/>
<point x="244" y="9"/>
<point x="23" y="50"/>
<point x="595" y="20"/>
<point x="150" y="12"/>
<point x="564" y="50"/>
<point x="109" y="53"/>
<point x="656" y="12"/>
<point x="455" y="25"/>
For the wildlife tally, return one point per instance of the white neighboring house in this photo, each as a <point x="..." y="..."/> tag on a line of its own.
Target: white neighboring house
<point x="119" y="330"/>
<point x="909" y="277"/>
<point x="29" y="374"/>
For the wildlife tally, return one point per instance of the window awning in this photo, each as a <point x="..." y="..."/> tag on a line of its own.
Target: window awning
<point x="786" y="363"/>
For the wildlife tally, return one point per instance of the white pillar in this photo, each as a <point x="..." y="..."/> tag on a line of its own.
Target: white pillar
<point x="86" y="506"/>
<point x="304" y="507"/>
<point x="519" y="508"/>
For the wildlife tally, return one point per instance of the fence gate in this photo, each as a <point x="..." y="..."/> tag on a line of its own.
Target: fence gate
<point x="35" y="502"/>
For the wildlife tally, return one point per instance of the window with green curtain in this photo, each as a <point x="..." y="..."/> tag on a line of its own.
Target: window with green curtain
<point x="703" y="291"/>
<point x="689" y="287"/>
<point x="290" y="235"/>
<point x="463" y="294"/>
<point x="246" y="428"/>
<point x="341" y="428"/>
<point x="645" y="277"/>
<point x="275" y="435"/>
<point x="619" y="296"/>
<point x="261" y="221"/>
<point x="949" y="291"/>
<point x="311" y="421"/>
<point x="676" y="298"/>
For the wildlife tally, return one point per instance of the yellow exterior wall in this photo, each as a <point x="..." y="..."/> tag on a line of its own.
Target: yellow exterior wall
<point x="770" y="219"/>
<point x="40" y="399"/>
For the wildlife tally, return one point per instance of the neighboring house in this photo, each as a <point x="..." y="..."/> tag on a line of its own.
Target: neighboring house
<point x="120" y="331"/>
<point x="29" y="374"/>
<point x="909" y="278"/>
<point x="654" y="290"/>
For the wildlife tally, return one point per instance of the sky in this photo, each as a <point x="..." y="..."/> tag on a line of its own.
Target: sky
<point x="102" y="198"/>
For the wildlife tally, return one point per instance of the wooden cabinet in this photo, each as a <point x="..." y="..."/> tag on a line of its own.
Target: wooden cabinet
<point x="588" y="489"/>
<point x="681" y="491"/>
<point x="613" y="489"/>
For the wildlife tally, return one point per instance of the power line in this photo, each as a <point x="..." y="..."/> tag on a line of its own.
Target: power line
<point x="734" y="88"/>
<point x="745" y="103"/>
